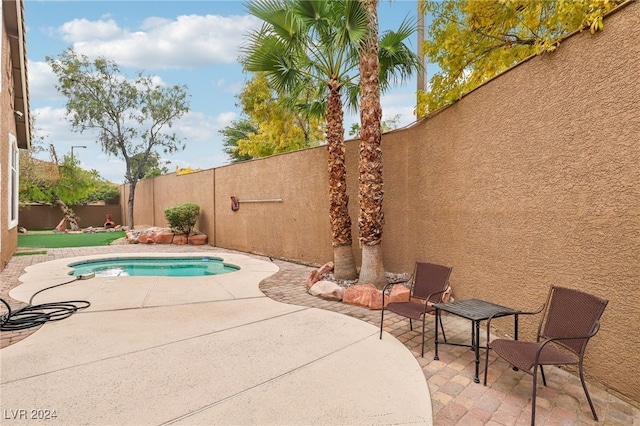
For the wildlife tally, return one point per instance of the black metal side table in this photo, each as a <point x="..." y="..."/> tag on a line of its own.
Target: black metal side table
<point x="475" y="310"/>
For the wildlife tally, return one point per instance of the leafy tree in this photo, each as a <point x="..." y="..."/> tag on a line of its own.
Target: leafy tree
<point x="302" y="39"/>
<point x="152" y="167"/>
<point x="105" y="191"/>
<point x="133" y="118"/>
<point x="59" y="182"/>
<point x="280" y="125"/>
<point x="472" y="41"/>
<point x="302" y="42"/>
<point x="237" y="130"/>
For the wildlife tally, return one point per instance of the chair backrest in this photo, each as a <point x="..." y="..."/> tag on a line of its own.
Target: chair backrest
<point x="571" y="313"/>
<point x="429" y="278"/>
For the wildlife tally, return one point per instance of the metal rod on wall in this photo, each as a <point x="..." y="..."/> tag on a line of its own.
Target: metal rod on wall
<point x="266" y="200"/>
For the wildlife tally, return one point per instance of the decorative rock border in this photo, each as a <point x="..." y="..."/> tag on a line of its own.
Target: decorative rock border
<point x="365" y="295"/>
<point x="157" y="235"/>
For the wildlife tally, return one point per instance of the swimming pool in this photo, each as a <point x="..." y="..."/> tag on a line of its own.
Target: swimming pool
<point x="153" y="266"/>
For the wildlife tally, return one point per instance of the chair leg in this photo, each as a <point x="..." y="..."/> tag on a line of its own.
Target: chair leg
<point x="381" y="321"/>
<point x="410" y="324"/>
<point x="586" y="392"/>
<point x="544" y="380"/>
<point x="424" y="319"/>
<point x="533" y="395"/>
<point x="486" y="363"/>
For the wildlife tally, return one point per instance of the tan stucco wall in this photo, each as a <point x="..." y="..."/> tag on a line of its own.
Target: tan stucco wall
<point x="530" y="180"/>
<point x="153" y="196"/>
<point x="197" y="188"/>
<point x="533" y="180"/>
<point x="294" y="228"/>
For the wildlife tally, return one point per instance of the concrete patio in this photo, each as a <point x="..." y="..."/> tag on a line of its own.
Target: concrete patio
<point x="337" y="371"/>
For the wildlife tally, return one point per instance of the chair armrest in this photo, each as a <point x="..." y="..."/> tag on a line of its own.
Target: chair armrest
<point x="544" y="343"/>
<point x="517" y="312"/>
<point x="388" y="285"/>
<point x="384" y="290"/>
<point x="592" y="333"/>
<point x="426" y="299"/>
<point x="503" y="313"/>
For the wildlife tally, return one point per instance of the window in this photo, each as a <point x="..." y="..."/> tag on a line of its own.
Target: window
<point x="13" y="181"/>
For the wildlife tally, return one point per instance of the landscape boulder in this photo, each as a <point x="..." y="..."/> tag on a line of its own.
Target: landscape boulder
<point x="368" y="296"/>
<point x="146" y="239"/>
<point x="163" y="237"/>
<point x="365" y="295"/>
<point x="180" y="239"/>
<point x="313" y="278"/>
<point x="197" y="239"/>
<point x="132" y="237"/>
<point x="317" y="274"/>
<point x="398" y="293"/>
<point x="327" y="290"/>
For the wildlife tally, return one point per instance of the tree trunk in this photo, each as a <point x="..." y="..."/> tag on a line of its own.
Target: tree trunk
<point x="344" y="261"/>
<point x="132" y="191"/>
<point x="370" y="180"/>
<point x="372" y="267"/>
<point x="68" y="213"/>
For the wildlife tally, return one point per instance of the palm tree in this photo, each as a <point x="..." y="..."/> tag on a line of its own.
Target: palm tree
<point x="370" y="181"/>
<point x="380" y="63"/>
<point x="303" y="40"/>
<point x="318" y="40"/>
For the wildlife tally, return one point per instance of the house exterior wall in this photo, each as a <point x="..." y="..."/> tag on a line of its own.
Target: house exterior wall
<point x="8" y="237"/>
<point x="530" y="180"/>
<point x="14" y="130"/>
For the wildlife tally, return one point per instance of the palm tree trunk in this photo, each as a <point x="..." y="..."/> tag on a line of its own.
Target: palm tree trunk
<point x="370" y="194"/>
<point x="343" y="259"/>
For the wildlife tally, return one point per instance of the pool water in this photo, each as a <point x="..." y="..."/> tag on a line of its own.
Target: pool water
<point x="151" y="267"/>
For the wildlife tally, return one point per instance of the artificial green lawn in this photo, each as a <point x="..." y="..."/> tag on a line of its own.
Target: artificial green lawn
<point x="47" y="240"/>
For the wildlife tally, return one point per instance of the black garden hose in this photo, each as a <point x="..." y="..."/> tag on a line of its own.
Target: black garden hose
<point x="35" y="315"/>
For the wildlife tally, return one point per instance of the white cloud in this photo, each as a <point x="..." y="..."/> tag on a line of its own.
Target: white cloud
<point x="198" y="127"/>
<point x="188" y="41"/>
<point x="229" y="87"/>
<point x="83" y="30"/>
<point x="200" y="132"/>
<point x="53" y="128"/>
<point x="154" y="22"/>
<point x="399" y="102"/>
<point x="42" y="82"/>
<point x="49" y="121"/>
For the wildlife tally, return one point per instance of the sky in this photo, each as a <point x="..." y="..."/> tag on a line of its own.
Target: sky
<point x="192" y="43"/>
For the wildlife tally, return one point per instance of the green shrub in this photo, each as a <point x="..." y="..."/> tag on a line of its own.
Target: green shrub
<point x="182" y="217"/>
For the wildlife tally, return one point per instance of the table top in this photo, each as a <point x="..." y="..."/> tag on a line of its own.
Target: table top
<point x="475" y="309"/>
